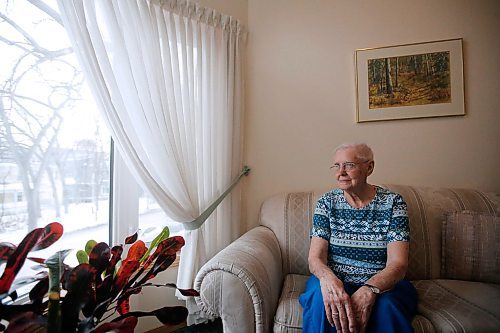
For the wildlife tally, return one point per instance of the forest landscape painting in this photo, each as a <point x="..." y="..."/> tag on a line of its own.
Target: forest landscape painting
<point x="410" y="81"/>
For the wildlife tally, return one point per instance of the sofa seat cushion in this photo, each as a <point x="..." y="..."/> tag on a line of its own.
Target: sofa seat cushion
<point x="444" y="306"/>
<point x="288" y="317"/>
<point x="421" y="324"/>
<point x="460" y="306"/>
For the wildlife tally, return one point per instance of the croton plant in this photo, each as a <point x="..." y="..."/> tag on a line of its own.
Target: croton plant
<point x="91" y="297"/>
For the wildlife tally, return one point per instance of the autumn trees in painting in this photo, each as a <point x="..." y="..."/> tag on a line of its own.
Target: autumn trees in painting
<point x="409" y="80"/>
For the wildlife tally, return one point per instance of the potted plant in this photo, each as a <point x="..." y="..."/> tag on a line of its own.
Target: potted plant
<point x="94" y="295"/>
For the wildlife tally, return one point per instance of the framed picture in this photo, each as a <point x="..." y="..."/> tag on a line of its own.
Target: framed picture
<point x="410" y="81"/>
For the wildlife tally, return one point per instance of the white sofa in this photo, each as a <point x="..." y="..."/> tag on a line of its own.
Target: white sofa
<point x="253" y="285"/>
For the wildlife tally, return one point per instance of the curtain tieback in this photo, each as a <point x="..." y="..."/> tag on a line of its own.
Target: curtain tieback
<point x="198" y="222"/>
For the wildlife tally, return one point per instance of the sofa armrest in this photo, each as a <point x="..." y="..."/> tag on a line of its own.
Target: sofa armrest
<point x="242" y="283"/>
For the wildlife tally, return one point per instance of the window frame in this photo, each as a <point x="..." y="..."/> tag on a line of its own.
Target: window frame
<point x="124" y="200"/>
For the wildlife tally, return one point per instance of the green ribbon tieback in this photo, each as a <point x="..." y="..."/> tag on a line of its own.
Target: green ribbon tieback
<point x="198" y="222"/>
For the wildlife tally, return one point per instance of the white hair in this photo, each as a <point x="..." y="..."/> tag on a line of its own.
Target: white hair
<point x="363" y="151"/>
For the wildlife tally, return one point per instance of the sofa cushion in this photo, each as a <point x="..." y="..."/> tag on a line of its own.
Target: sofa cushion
<point x="289" y="216"/>
<point x="460" y="306"/>
<point x="470" y="248"/>
<point x="427" y="207"/>
<point x="421" y="324"/>
<point x="288" y="317"/>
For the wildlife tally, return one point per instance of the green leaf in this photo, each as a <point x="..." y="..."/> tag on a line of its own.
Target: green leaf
<point x="82" y="256"/>
<point x="54" y="317"/>
<point x="90" y="245"/>
<point x="55" y="263"/>
<point x="164" y="234"/>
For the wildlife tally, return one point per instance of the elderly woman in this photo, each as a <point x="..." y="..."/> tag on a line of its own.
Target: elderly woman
<point x="358" y="254"/>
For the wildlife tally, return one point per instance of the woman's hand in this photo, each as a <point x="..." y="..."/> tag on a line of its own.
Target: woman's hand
<point x="337" y="302"/>
<point x="338" y="305"/>
<point x="362" y="303"/>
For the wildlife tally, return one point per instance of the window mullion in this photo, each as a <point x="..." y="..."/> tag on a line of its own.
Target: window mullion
<point x="125" y="201"/>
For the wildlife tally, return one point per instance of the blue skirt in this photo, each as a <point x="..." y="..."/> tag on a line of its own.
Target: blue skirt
<point x="392" y="312"/>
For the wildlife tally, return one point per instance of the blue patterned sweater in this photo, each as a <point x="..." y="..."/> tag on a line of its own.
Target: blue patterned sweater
<point x="358" y="237"/>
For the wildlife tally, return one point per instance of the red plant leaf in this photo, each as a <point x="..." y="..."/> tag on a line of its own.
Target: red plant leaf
<point x="188" y="292"/>
<point x="171" y="315"/>
<point x="116" y="255"/>
<point x="17" y="258"/>
<point x="81" y="291"/>
<point x="102" y="296"/>
<point x="11" y="311"/>
<point x="126" y="270"/>
<point x="162" y="263"/>
<point x="27" y="322"/>
<point x="81" y="278"/>
<point x="126" y="325"/>
<point x="13" y="295"/>
<point x="137" y="250"/>
<point x="169" y="246"/>
<point x="131" y="239"/>
<point x="117" y="250"/>
<point x="99" y="257"/>
<point x="37" y="260"/>
<point x="123" y="306"/>
<point x="38" y="292"/>
<point x="6" y="249"/>
<point x="52" y="232"/>
<point x="125" y="296"/>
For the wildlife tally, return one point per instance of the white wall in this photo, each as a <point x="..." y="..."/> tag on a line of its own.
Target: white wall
<point x="301" y="95"/>
<point x="152" y="298"/>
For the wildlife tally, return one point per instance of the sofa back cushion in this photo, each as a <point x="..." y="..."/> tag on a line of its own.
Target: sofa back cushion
<point x="471" y="249"/>
<point x="289" y="215"/>
<point x="427" y="209"/>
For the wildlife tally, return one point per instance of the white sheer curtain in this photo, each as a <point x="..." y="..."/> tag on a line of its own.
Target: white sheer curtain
<point x="167" y="78"/>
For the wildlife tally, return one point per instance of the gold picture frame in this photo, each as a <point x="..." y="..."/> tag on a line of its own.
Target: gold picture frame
<point x="417" y="80"/>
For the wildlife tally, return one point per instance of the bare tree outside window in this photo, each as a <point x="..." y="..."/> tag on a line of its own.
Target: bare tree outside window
<point x="54" y="150"/>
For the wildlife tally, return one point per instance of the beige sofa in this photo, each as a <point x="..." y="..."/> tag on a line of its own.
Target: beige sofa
<point x="253" y="285"/>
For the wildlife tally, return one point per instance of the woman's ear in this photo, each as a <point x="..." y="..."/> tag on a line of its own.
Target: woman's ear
<point x="371" y="167"/>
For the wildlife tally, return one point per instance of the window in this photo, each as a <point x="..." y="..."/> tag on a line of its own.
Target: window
<point x="55" y="150"/>
<point x="135" y="209"/>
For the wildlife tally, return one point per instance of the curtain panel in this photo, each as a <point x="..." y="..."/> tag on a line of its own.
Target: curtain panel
<point x="167" y="76"/>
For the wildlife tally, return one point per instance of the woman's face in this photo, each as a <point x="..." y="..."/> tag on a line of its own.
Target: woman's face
<point x="356" y="177"/>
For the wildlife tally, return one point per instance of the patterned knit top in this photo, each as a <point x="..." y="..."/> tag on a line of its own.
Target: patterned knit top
<point x="359" y="236"/>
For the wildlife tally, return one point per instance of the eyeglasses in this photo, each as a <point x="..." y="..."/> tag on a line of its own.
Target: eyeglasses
<point x="347" y="166"/>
